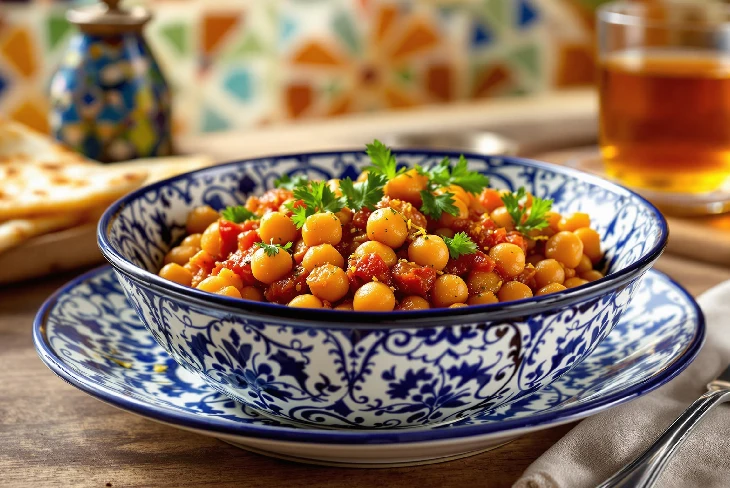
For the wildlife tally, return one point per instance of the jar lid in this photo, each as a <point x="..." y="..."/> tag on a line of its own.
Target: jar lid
<point x="108" y="18"/>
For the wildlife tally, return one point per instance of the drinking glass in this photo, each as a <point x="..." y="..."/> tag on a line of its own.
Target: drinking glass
<point x="665" y="101"/>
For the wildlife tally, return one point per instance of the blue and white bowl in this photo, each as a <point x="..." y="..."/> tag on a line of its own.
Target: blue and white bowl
<point x="376" y="370"/>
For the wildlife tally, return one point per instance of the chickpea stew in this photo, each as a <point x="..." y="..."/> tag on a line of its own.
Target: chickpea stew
<point x="395" y="239"/>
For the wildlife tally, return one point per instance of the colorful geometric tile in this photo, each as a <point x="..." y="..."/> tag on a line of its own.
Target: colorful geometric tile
<point x="17" y="47"/>
<point x="4" y="82"/>
<point x="526" y="13"/>
<point x="344" y="27"/>
<point x="481" y="34"/>
<point x="239" y="84"/>
<point x="250" y="46"/>
<point x="216" y="26"/>
<point x="527" y="57"/>
<point x="58" y="29"/>
<point x="33" y="113"/>
<point x="213" y="122"/>
<point x="177" y="35"/>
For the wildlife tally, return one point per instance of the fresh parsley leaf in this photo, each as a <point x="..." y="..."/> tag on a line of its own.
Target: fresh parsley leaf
<point x="384" y="162"/>
<point x="238" y="214"/>
<point x="471" y="181"/>
<point x="273" y="249"/>
<point x="317" y="197"/>
<point x="526" y="219"/>
<point x="435" y="205"/>
<point x="364" y="194"/>
<point x="442" y="174"/>
<point x="460" y="245"/>
<point x="288" y="183"/>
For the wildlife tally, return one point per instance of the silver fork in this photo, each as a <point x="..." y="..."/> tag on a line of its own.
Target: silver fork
<point x="644" y="471"/>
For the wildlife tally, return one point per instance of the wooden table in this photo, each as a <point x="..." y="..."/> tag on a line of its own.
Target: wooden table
<point x="51" y="434"/>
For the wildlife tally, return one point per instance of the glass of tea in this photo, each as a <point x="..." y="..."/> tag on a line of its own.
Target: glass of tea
<point x="665" y="101"/>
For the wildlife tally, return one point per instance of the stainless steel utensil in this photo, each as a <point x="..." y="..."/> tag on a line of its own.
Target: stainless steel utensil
<point x="644" y="471"/>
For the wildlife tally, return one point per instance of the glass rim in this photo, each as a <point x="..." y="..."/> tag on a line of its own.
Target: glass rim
<point x="630" y="13"/>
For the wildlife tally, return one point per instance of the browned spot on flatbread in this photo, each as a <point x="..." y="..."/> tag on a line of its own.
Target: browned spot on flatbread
<point x="41" y="193"/>
<point x="12" y="171"/>
<point x="130" y="177"/>
<point x="51" y="166"/>
<point x="79" y="183"/>
<point x="60" y="180"/>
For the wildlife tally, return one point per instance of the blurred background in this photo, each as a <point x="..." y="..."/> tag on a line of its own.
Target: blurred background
<point x="235" y="64"/>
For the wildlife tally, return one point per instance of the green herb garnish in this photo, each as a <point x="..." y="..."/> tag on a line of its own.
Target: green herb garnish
<point x="364" y="194"/>
<point x="536" y="215"/>
<point x="434" y="205"/>
<point x="238" y="214"/>
<point x="288" y="183"/>
<point x="460" y="245"/>
<point x="384" y="162"/>
<point x="273" y="249"/>
<point x="317" y="197"/>
<point x="442" y="174"/>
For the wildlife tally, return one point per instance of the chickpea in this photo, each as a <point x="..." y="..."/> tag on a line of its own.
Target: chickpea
<point x="591" y="275"/>
<point x="458" y="192"/>
<point x="306" y="301"/>
<point x="344" y="305"/>
<point x="387" y="226"/>
<point x="193" y="240"/>
<point x="509" y="257"/>
<point x="322" y="254"/>
<point x="449" y="289"/>
<point x="269" y="268"/>
<point x="584" y="265"/>
<point x="549" y="271"/>
<point x="591" y="243"/>
<point x="407" y="187"/>
<point x="573" y="282"/>
<point x="566" y="247"/>
<point x="483" y="298"/>
<point x="447" y="220"/>
<point x="481" y="281"/>
<point x="322" y="228"/>
<point x="575" y="221"/>
<point x="176" y="273"/>
<point x="277" y="228"/>
<point x="345" y="216"/>
<point x="230" y="278"/>
<point x="553" y="220"/>
<point x="252" y="293"/>
<point x="429" y="250"/>
<point x="180" y="255"/>
<point x="220" y="286"/>
<point x="374" y="247"/>
<point x="551" y="288"/>
<point x="328" y="282"/>
<point x="502" y="218"/>
<point x="374" y="297"/>
<point x="210" y="241"/>
<point x="414" y="302"/>
<point x="458" y="305"/>
<point x="514" y="290"/>
<point x="200" y="218"/>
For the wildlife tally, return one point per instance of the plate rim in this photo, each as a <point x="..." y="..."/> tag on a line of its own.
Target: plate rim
<point x="214" y="425"/>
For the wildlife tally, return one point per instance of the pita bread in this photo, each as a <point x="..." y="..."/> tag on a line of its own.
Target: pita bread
<point x="15" y="232"/>
<point x="28" y="190"/>
<point x="166" y="167"/>
<point x="20" y="144"/>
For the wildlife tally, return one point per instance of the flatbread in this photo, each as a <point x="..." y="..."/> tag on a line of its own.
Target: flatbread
<point x="166" y="167"/>
<point x="21" y="144"/>
<point x="31" y="190"/>
<point x="15" y="232"/>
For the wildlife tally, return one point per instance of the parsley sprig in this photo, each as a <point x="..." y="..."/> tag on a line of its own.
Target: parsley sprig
<point x="442" y="174"/>
<point x="434" y="205"/>
<point x="317" y="197"/>
<point x="459" y="245"/>
<point x="238" y="214"/>
<point x="384" y="162"/>
<point x="273" y="249"/>
<point x="363" y="194"/>
<point x="535" y="216"/>
<point x="288" y="183"/>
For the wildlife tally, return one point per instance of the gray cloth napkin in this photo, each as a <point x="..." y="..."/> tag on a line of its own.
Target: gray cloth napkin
<point x="602" y="444"/>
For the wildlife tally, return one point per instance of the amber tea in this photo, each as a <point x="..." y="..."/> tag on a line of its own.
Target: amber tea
<point x="665" y="119"/>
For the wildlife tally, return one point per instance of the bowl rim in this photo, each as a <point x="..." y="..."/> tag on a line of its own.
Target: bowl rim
<point x="513" y="310"/>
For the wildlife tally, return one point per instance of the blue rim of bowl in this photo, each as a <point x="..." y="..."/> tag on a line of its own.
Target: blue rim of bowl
<point x="347" y="319"/>
<point x="365" y="436"/>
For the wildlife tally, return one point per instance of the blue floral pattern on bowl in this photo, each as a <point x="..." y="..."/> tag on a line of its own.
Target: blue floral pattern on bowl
<point x="89" y="334"/>
<point x="376" y="370"/>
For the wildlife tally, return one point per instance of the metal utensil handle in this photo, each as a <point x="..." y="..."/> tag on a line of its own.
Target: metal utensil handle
<point x="643" y="471"/>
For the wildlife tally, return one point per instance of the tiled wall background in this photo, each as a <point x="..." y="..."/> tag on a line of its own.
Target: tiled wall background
<point x="244" y="63"/>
